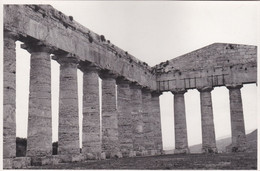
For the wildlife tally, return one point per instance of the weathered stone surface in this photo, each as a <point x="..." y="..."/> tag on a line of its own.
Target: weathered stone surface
<point x="91" y="141"/>
<point x="8" y="163"/>
<point x="148" y="120"/>
<point x="110" y="141"/>
<point x="39" y="142"/>
<point x="207" y="122"/>
<point x="155" y="106"/>
<point x="21" y="162"/>
<point x="137" y="115"/>
<point x="237" y="119"/>
<point x="181" y="140"/>
<point x="125" y="123"/>
<point x="68" y="107"/>
<point x="9" y="97"/>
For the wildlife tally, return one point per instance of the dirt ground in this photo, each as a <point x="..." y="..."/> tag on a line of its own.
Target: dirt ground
<point x="233" y="161"/>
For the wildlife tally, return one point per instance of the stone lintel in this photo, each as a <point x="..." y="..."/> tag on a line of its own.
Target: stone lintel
<point x="205" y="89"/>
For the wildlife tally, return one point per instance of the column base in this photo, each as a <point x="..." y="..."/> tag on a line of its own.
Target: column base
<point x="93" y="156"/>
<point x="209" y="150"/>
<point x="71" y="158"/>
<point x="106" y="155"/>
<point x="182" y="151"/>
<point x="16" y="163"/>
<point x="235" y="148"/>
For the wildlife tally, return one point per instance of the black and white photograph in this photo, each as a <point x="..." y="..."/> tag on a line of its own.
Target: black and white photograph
<point x="130" y="85"/>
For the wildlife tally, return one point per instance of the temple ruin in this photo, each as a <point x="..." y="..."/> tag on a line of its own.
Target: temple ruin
<point x="130" y="128"/>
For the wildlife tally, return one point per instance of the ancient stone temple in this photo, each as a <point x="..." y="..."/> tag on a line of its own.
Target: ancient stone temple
<point x="131" y="124"/>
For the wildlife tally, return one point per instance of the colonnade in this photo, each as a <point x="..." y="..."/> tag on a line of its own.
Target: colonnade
<point x="130" y="125"/>
<point x="207" y="121"/>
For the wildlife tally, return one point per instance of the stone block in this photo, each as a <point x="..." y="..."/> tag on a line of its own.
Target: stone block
<point x="8" y="163"/>
<point x="77" y="158"/>
<point x="21" y="162"/>
<point x="103" y="156"/>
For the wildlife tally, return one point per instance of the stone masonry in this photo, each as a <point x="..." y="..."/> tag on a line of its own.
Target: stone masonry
<point x="129" y="123"/>
<point x="91" y="113"/>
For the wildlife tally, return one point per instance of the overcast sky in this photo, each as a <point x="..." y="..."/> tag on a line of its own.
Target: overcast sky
<point x="155" y="32"/>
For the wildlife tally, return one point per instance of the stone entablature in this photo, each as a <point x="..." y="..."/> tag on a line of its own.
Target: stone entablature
<point x="50" y="26"/>
<point x="218" y="64"/>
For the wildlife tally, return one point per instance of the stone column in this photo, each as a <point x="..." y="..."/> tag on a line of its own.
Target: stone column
<point x="125" y="134"/>
<point x="9" y="99"/>
<point x="148" y="122"/>
<point x="68" y="143"/>
<point x="91" y="142"/>
<point x="181" y="140"/>
<point x="155" y="106"/>
<point x="237" y="119"/>
<point x="207" y="121"/>
<point x="39" y="138"/>
<point x="110" y="142"/>
<point x="137" y="118"/>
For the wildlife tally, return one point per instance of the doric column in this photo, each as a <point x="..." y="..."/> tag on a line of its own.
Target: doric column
<point x="137" y="118"/>
<point x="91" y="142"/>
<point x="125" y="134"/>
<point x="68" y="106"/>
<point x="237" y="119"/>
<point x="110" y="142"/>
<point x="155" y="106"/>
<point x="181" y="140"/>
<point x="9" y="123"/>
<point x="207" y="121"/>
<point x="39" y="138"/>
<point x="148" y="122"/>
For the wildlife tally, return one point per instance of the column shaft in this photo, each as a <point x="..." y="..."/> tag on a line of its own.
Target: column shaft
<point x="125" y="134"/>
<point x="68" y="107"/>
<point x="148" y="120"/>
<point x="110" y="142"/>
<point x="237" y="119"/>
<point x="181" y="140"/>
<point x="9" y="99"/>
<point x="39" y="138"/>
<point x="137" y="116"/>
<point x="207" y="122"/>
<point x="157" y="122"/>
<point x="91" y="114"/>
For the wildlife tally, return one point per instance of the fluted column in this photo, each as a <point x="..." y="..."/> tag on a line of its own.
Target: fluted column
<point x="207" y="121"/>
<point x="68" y="107"/>
<point x="237" y="119"/>
<point x="137" y="117"/>
<point x="155" y="106"/>
<point x="148" y="121"/>
<point x="125" y="123"/>
<point x="110" y="142"/>
<point x="9" y="99"/>
<point x="39" y="138"/>
<point x="91" y="142"/>
<point x="181" y="140"/>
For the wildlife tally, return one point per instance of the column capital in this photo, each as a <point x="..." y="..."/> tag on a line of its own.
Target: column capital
<point x="11" y="35"/>
<point x="234" y="86"/>
<point x="205" y="89"/>
<point x="107" y="74"/>
<point x="67" y="58"/>
<point x="156" y="93"/>
<point x="88" y="67"/>
<point x="33" y="47"/>
<point x="179" y="91"/>
<point x="122" y="80"/>
<point x="146" y="90"/>
<point x="135" y="85"/>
